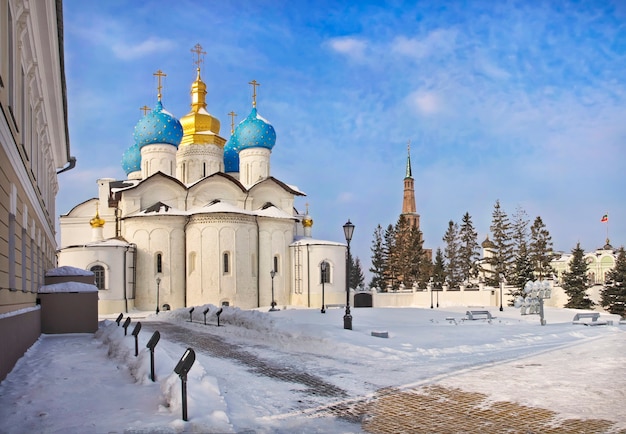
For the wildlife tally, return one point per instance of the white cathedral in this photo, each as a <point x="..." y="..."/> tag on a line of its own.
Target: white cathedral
<point x="200" y="220"/>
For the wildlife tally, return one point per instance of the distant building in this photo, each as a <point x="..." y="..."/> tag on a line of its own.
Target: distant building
<point x="200" y="220"/>
<point x="409" y="209"/>
<point x="599" y="263"/>
<point x="34" y="146"/>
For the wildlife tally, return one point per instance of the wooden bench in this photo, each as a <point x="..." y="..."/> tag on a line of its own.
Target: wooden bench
<point x="478" y="314"/>
<point x="584" y="315"/>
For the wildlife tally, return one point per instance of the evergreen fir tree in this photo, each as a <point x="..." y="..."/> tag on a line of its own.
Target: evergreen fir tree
<point x="522" y="273"/>
<point x="403" y="254"/>
<point x="614" y="292"/>
<point x="468" y="248"/>
<point x="451" y="253"/>
<point x="378" y="260"/>
<point x="439" y="270"/>
<point x="503" y="251"/>
<point x="356" y="273"/>
<point x="540" y="249"/>
<point x="390" y="255"/>
<point x="576" y="282"/>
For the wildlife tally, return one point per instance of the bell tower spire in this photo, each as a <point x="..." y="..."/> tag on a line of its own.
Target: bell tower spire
<point x="408" y="204"/>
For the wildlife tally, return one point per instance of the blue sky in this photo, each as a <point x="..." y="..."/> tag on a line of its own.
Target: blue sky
<point x="518" y="101"/>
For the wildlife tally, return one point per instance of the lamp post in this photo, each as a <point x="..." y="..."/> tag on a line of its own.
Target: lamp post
<point x="502" y="282"/>
<point x="273" y="308"/>
<point x="158" y="282"/>
<point x="323" y="267"/>
<point x="348" y="229"/>
<point x="430" y="284"/>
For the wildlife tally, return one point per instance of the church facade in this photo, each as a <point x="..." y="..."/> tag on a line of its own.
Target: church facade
<point x="200" y="220"/>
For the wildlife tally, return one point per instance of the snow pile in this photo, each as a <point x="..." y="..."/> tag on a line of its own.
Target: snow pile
<point x="67" y="287"/>
<point x="204" y="394"/>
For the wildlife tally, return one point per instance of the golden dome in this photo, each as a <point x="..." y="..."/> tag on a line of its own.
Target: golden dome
<point x="307" y="221"/>
<point x="96" y="222"/>
<point x="199" y="127"/>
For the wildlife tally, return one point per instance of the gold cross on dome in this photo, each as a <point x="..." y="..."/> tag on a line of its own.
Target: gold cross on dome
<point x="232" y="121"/>
<point x="254" y="84"/>
<point x="307" y="207"/>
<point x="159" y="74"/>
<point x="145" y="109"/>
<point x="198" y="50"/>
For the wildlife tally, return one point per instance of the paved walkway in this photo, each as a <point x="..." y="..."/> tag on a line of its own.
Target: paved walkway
<point x="427" y="409"/>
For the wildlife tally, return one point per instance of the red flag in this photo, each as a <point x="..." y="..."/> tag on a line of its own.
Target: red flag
<point x="605" y="218"/>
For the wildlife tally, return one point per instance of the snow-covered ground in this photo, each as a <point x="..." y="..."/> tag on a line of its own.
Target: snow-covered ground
<point x="86" y="383"/>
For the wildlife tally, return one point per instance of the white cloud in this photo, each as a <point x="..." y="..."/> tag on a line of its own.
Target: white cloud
<point x="151" y="45"/>
<point x="437" y="42"/>
<point x="426" y="103"/>
<point x="351" y="47"/>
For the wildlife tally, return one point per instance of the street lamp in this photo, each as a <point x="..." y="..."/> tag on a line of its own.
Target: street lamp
<point x="348" y="229"/>
<point x="502" y="282"/>
<point x="430" y="284"/>
<point x="323" y="267"/>
<point x="273" y="308"/>
<point x="158" y="282"/>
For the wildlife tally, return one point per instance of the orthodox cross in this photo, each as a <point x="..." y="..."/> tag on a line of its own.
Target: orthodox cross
<point x="254" y="84"/>
<point x="232" y="121"/>
<point x="158" y="75"/>
<point x="198" y="50"/>
<point x="145" y="109"/>
<point x="307" y="208"/>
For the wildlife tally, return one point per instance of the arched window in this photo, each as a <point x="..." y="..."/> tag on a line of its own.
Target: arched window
<point x="324" y="272"/>
<point x="159" y="263"/>
<point x="98" y="271"/>
<point x="226" y="263"/>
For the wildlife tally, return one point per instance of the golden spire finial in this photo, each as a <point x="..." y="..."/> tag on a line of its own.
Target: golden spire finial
<point x="307" y="221"/>
<point x="145" y="109"/>
<point x="200" y="56"/>
<point x="254" y="84"/>
<point x="96" y="222"/>
<point x="232" y="121"/>
<point x="159" y="74"/>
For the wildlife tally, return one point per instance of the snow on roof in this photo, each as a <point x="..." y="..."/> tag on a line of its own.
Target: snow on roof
<point x="66" y="270"/>
<point x="220" y="206"/>
<point x="312" y="241"/>
<point x="68" y="287"/>
<point x="127" y="184"/>
<point x="295" y="188"/>
<point x="274" y="212"/>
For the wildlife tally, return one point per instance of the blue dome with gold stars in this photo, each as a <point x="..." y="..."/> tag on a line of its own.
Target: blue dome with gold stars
<point x="158" y="126"/>
<point x="231" y="155"/>
<point x="131" y="159"/>
<point x="254" y="132"/>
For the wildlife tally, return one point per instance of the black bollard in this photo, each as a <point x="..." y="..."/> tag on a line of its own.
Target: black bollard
<point x="126" y="324"/>
<point x="218" y="313"/>
<point x="204" y="313"/>
<point x="182" y="368"/>
<point x="190" y="314"/>
<point x="119" y="318"/>
<point x="150" y="345"/>
<point x="136" y="335"/>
